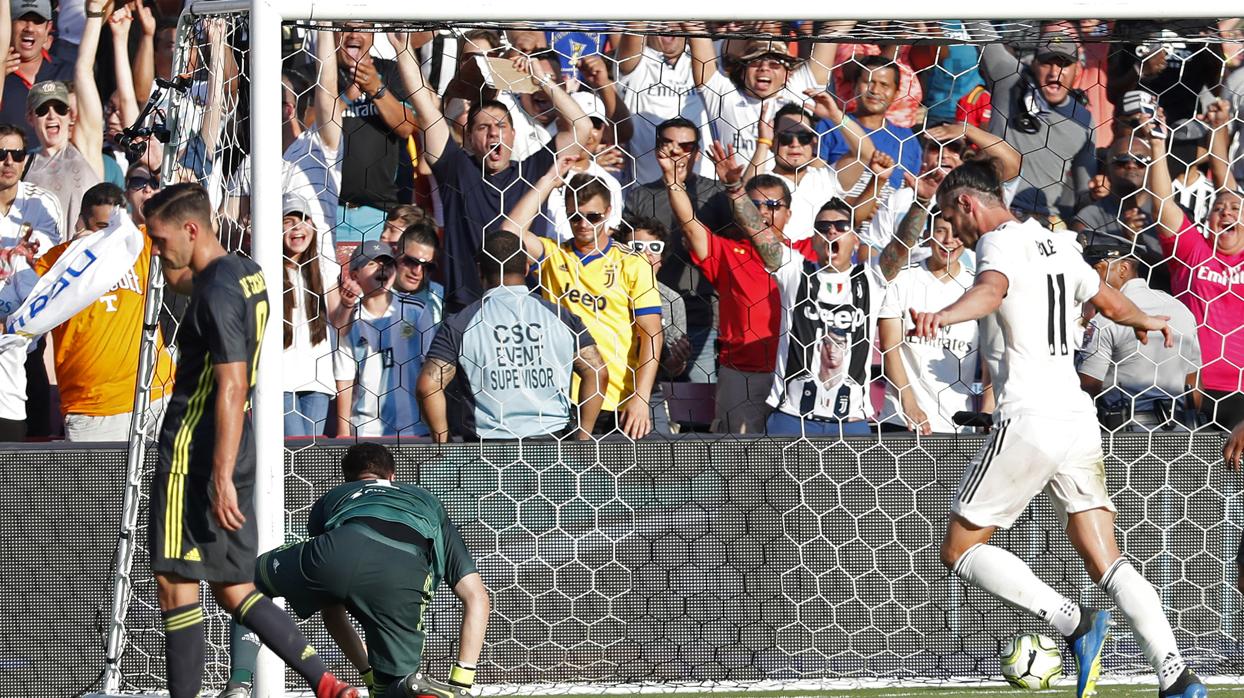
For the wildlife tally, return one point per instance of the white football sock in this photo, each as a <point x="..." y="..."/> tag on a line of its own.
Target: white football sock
<point x="1007" y="577"/>
<point x="1139" y="603"/>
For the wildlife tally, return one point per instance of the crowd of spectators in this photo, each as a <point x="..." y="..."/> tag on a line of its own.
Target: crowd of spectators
<point x="494" y="235"/>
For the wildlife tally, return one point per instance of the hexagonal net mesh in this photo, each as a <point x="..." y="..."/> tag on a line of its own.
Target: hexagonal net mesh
<point x="778" y="520"/>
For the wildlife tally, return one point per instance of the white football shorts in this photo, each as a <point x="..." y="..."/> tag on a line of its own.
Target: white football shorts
<point x="1029" y="454"/>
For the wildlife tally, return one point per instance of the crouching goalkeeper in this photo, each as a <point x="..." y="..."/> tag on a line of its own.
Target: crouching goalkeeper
<point x="379" y="551"/>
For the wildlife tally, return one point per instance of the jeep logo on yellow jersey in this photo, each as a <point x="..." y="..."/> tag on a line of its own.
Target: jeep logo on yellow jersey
<point x="588" y="301"/>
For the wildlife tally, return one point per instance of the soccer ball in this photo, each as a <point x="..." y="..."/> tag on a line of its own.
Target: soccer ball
<point x="1031" y="661"/>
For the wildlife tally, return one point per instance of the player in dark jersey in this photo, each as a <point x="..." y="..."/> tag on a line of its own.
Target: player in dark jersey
<point x="380" y="549"/>
<point x="202" y="524"/>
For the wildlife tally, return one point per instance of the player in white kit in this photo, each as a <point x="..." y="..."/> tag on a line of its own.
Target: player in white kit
<point x="1045" y="434"/>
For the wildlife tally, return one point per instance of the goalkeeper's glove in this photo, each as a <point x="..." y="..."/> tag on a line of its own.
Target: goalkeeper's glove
<point x="369" y="680"/>
<point x="420" y="686"/>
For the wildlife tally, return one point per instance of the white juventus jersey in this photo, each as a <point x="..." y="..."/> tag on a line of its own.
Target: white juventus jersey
<point x="1040" y="317"/>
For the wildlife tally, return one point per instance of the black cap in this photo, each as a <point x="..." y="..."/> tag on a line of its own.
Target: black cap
<point x="1109" y="249"/>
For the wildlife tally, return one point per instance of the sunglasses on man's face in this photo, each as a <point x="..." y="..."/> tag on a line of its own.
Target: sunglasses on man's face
<point x="826" y="227"/>
<point x="13" y="154"/>
<point x="43" y="109"/>
<point x="1125" y="160"/>
<point x="653" y="246"/>
<point x="804" y="137"/>
<point x="682" y="145"/>
<point x="415" y="263"/>
<point x="136" y="183"/>
<point x="771" y="204"/>
<point x="593" y="218"/>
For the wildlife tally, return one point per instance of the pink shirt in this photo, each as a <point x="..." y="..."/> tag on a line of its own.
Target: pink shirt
<point x="1212" y="286"/>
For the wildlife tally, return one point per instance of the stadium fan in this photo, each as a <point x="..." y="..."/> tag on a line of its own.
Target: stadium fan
<point x="609" y="286"/>
<point x="306" y="332"/>
<point x="202" y="517"/>
<point x="680" y="137"/>
<point x="766" y="72"/>
<point x="70" y="132"/>
<point x="1205" y="264"/>
<point x="1036" y="110"/>
<point x="121" y="108"/>
<point x="928" y="382"/>
<point x="96" y="352"/>
<point x="516" y="353"/>
<point x="945" y="147"/>
<point x="820" y="384"/>
<point x="655" y="77"/>
<point x="554" y="222"/>
<point x="30" y="28"/>
<point x="399" y="219"/>
<point x="650" y="239"/>
<point x="1127" y="213"/>
<point x="375" y="124"/>
<point x="1024" y="269"/>
<point x="876" y="88"/>
<point x="905" y="110"/>
<point x="32" y="222"/>
<point x="1139" y="387"/>
<point x="140" y="184"/>
<point x="378" y="551"/>
<point x="470" y="181"/>
<point x="786" y="149"/>
<point x="378" y="353"/>
<point x="733" y="265"/>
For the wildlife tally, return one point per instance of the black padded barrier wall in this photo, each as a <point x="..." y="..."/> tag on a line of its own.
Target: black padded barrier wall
<point x="689" y="560"/>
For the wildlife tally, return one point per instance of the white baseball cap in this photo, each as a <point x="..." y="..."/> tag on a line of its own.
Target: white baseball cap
<point x="591" y="105"/>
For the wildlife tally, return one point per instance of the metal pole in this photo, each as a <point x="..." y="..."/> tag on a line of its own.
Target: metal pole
<point x="140" y="423"/>
<point x="266" y="169"/>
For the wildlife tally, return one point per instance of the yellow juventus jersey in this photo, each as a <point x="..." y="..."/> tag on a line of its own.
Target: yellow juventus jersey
<point x="607" y="291"/>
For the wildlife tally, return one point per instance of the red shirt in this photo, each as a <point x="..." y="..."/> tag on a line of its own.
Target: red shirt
<point x="975" y="107"/>
<point x="1211" y="284"/>
<point x="750" y="310"/>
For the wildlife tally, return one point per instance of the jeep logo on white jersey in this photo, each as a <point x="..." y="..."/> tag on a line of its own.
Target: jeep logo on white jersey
<point x="839" y="317"/>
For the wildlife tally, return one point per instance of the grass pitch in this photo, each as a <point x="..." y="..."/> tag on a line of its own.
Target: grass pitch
<point x="1103" y="691"/>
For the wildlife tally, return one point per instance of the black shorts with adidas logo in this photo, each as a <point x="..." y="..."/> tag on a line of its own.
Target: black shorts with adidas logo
<point x="185" y="539"/>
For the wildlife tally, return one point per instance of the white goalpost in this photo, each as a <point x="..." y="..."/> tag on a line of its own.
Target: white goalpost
<point x="265" y="20"/>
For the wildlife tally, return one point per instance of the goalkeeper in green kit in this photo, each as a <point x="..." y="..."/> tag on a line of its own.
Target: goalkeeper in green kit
<point x="379" y="551"/>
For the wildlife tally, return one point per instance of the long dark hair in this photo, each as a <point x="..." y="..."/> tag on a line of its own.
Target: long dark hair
<point x="308" y="264"/>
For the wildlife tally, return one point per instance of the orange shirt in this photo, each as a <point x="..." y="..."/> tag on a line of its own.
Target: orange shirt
<point x="97" y="349"/>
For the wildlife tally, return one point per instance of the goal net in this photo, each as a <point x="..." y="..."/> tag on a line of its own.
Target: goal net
<point x="701" y="555"/>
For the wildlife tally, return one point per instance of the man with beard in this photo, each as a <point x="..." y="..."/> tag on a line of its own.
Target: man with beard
<point x="1036" y="110"/>
<point x="481" y="183"/>
<point x="1045" y="437"/>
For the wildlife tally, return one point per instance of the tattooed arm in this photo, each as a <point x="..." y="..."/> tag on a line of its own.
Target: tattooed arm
<point x="896" y="254"/>
<point x="764" y="238"/>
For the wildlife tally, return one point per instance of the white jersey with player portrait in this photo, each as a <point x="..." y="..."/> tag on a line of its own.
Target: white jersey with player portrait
<point x="1040" y="318"/>
<point x="829" y="320"/>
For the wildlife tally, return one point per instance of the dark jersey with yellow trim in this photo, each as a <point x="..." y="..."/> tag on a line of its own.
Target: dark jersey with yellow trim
<point x="223" y="324"/>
